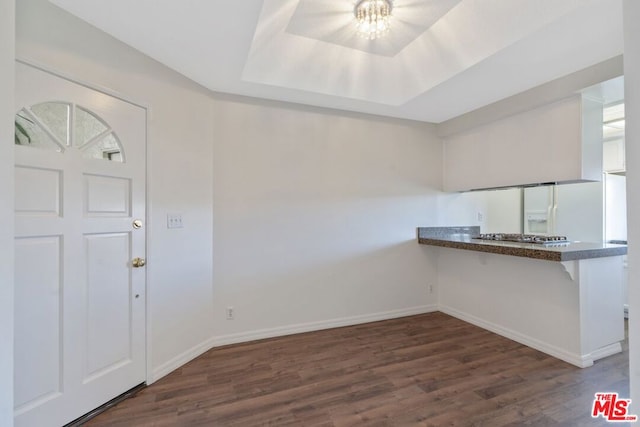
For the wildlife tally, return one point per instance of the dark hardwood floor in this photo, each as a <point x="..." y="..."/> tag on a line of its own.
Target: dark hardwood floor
<point x="427" y="370"/>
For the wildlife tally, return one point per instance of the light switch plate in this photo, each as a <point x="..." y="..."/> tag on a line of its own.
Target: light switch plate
<point x="174" y="221"/>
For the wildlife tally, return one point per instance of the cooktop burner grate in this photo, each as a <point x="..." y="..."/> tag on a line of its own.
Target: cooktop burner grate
<point x="523" y="238"/>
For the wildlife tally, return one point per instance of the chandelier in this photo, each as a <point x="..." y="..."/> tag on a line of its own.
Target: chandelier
<point x="372" y="17"/>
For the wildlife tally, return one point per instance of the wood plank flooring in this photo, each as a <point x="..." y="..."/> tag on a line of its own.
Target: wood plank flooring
<point x="426" y="370"/>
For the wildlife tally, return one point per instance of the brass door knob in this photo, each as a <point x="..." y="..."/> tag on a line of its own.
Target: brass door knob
<point x="138" y="262"/>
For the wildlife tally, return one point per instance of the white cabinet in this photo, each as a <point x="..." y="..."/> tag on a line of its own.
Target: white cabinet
<point x="559" y="142"/>
<point x="613" y="156"/>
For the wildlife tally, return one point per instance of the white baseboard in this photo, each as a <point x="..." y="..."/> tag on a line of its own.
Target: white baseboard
<point x="609" y="350"/>
<point x="582" y="361"/>
<point x="218" y="341"/>
<point x="179" y="360"/>
<point x="572" y="358"/>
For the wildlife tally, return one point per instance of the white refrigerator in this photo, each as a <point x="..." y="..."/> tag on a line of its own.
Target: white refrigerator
<point x="615" y="208"/>
<point x="588" y="212"/>
<point x="572" y="210"/>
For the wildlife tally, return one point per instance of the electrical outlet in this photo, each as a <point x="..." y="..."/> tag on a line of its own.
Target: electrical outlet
<point x="480" y="216"/>
<point x="174" y="221"/>
<point x="229" y="313"/>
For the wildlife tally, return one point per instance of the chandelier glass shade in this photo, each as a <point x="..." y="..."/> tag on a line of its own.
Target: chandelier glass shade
<point x="372" y="17"/>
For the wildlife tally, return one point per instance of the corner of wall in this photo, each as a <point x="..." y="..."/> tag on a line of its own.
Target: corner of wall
<point x="7" y="60"/>
<point x="631" y="16"/>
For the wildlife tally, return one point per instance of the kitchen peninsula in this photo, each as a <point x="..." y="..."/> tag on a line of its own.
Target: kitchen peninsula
<point x="562" y="299"/>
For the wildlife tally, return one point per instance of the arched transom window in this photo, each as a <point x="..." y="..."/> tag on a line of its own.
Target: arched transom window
<point x="60" y="126"/>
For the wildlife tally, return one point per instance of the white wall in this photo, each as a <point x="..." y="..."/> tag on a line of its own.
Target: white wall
<point x="632" y="112"/>
<point x="299" y="218"/>
<point x="526" y="299"/>
<point x="504" y="211"/>
<point x="495" y="211"/>
<point x="6" y="210"/>
<point x="508" y="295"/>
<point x="460" y="209"/>
<point x="315" y="214"/>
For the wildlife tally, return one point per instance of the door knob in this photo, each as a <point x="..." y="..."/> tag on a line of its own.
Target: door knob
<point x="138" y="262"/>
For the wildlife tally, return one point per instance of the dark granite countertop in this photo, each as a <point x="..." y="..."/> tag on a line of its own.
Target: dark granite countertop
<point x="462" y="238"/>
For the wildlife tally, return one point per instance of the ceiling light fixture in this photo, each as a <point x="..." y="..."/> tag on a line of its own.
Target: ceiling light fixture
<point x="372" y="17"/>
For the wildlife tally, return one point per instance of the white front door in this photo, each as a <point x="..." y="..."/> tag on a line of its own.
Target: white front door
<point x="79" y="298"/>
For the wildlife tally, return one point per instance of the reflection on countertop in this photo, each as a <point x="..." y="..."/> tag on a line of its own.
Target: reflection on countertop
<point x="463" y="238"/>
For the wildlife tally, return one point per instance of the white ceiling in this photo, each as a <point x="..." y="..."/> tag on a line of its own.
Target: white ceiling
<point x="441" y="58"/>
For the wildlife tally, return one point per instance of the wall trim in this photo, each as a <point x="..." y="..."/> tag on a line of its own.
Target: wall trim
<point x="259" y="334"/>
<point x="79" y="81"/>
<point x="605" y="351"/>
<point x="581" y="361"/>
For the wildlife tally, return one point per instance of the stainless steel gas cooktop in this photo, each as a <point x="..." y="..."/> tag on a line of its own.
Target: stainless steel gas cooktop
<point x="523" y="238"/>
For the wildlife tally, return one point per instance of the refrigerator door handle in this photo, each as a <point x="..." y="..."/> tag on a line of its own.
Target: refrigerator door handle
<point x="554" y="210"/>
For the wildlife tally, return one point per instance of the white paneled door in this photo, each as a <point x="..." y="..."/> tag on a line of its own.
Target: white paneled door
<point x="80" y="248"/>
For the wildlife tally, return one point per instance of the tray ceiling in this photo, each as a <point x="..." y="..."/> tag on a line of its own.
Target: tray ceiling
<point x="441" y="58"/>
